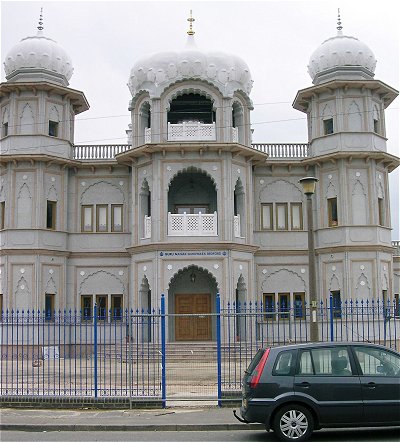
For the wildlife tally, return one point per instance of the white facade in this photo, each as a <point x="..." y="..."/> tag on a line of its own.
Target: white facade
<point x="190" y="207"/>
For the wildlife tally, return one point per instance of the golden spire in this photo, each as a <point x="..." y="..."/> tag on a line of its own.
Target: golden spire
<point x="190" y="20"/>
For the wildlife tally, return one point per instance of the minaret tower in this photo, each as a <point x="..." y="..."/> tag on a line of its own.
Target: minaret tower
<point x="347" y="135"/>
<point x="37" y="111"/>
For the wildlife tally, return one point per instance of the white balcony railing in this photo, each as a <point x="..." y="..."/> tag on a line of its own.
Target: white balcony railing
<point x="147" y="135"/>
<point x="235" y="135"/>
<point x="147" y="226"/>
<point x="191" y="131"/>
<point x="196" y="224"/>
<point x="236" y="226"/>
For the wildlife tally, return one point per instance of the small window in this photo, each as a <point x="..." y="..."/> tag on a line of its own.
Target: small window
<point x="53" y="128"/>
<point x="269" y="305"/>
<point x="332" y="212"/>
<point x="305" y="365"/>
<point x="51" y="215"/>
<point x="86" y="307"/>
<point x="381" y="212"/>
<point x="296" y="216"/>
<point x="336" y="304"/>
<point x="396" y="307"/>
<point x="281" y="216"/>
<point x="332" y="361"/>
<point x="116" y="307"/>
<point x="299" y="305"/>
<point x="5" y="129"/>
<point x="101" y="301"/>
<point x="266" y="217"/>
<point x="49" y="306"/>
<point x="116" y="218"/>
<point x="328" y="126"/>
<point x="376" y="126"/>
<point x="87" y="219"/>
<point x="102" y="218"/>
<point x="2" y="214"/>
<point x="284" y="305"/>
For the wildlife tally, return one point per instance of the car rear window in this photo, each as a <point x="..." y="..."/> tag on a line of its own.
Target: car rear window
<point x="255" y="361"/>
<point x="284" y="363"/>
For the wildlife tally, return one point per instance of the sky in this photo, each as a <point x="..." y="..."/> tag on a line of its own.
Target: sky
<point x="275" y="38"/>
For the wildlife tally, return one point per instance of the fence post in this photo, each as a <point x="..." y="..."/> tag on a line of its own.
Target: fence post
<point x="95" y="348"/>
<point x="331" y="316"/>
<point x="219" y="367"/>
<point x="163" y="349"/>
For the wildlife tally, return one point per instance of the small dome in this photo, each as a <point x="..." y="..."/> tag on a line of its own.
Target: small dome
<point x="343" y="57"/>
<point x="38" y="58"/>
<point x="156" y="72"/>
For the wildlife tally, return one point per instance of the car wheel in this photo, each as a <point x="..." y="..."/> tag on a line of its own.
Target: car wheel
<point x="293" y="423"/>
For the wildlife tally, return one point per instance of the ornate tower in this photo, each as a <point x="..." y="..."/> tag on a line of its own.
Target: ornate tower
<point x="346" y="125"/>
<point x="37" y="110"/>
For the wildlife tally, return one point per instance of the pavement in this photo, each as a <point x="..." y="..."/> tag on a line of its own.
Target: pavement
<point x="168" y="419"/>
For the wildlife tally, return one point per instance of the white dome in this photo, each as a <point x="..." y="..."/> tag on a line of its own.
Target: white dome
<point x="344" y="56"/>
<point x="155" y="73"/>
<point x="38" y="57"/>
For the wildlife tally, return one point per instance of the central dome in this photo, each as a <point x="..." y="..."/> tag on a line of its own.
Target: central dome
<point x="228" y="73"/>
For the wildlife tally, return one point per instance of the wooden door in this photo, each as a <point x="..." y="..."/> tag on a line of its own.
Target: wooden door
<point x="193" y="328"/>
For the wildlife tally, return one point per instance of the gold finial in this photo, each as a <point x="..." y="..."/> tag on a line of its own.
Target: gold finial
<point x="190" y="20"/>
<point x="40" y="27"/>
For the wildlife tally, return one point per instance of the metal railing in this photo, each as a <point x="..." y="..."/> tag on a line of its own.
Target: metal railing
<point x="133" y="354"/>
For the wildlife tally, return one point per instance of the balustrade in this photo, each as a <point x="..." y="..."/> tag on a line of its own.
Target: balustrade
<point x="192" y="224"/>
<point x="191" y="131"/>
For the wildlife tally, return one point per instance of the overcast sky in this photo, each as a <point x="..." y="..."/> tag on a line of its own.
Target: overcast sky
<point x="275" y="38"/>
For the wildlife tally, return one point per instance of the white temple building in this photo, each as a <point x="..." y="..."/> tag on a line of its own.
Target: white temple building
<point x="190" y="207"/>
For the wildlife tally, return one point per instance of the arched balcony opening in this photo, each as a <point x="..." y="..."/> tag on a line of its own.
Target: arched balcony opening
<point x="237" y="123"/>
<point x="145" y="210"/>
<point x="145" y="123"/>
<point x="238" y="209"/>
<point x="192" y="205"/>
<point x="191" y="117"/>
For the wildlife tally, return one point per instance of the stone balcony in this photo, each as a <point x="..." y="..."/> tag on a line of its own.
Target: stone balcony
<point x="192" y="224"/>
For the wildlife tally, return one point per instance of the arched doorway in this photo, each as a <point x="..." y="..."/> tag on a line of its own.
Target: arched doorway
<point x="191" y="300"/>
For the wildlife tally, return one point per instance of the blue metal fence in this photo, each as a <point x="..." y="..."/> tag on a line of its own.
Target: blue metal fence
<point x="87" y="354"/>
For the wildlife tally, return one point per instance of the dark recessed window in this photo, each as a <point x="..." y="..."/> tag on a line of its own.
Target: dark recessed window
<point x="51" y="215"/>
<point x="53" y="128"/>
<point x="328" y="126"/>
<point x="5" y="129"/>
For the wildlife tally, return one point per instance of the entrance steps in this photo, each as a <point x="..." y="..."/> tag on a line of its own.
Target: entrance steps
<point x="176" y="351"/>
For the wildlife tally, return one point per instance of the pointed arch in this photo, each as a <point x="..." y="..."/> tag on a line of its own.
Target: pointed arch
<point x="52" y="194"/>
<point x="334" y="284"/>
<point x="363" y="289"/>
<point x="239" y="208"/>
<point x="359" y="204"/>
<point x="283" y="280"/>
<point x="24" y="207"/>
<point x="51" y="286"/>
<point x="103" y="281"/>
<point x="102" y="192"/>
<point x="27" y="120"/>
<point x="354" y="117"/>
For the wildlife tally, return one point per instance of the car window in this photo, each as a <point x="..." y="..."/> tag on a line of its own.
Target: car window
<point x="284" y="363"/>
<point x="330" y="361"/>
<point x="377" y="362"/>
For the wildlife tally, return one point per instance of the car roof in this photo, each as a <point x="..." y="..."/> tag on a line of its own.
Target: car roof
<point x="329" y="344"/>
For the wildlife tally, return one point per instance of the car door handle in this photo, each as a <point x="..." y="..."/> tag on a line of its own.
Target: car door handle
<point x="371" y="385"/>
<point x="302" y="384"/>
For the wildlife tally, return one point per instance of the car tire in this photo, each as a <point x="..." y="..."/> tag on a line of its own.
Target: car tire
<point x="293" y="423"/>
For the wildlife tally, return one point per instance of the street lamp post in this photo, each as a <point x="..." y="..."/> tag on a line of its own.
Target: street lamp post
<point x="308" y="184"/>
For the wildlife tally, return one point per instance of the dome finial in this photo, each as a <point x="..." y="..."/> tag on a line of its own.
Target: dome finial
<point x="40" y="27"/>
<point x="190" y="20"/>
<point x="339" y="23"/>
